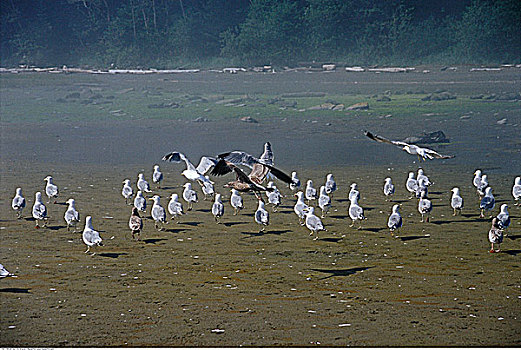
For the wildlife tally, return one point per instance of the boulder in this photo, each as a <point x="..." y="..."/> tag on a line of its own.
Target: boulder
<point x="248" y="120"/>
<point x="426" y="138"/>
<point x="358" y="106"/>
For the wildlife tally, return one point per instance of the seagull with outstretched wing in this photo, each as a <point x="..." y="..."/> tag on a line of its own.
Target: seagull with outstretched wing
<point x="422" y="152"/>
<point x="191" y="172"/>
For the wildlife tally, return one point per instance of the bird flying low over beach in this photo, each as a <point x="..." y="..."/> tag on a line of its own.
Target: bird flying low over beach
<point x="422" y="152"/>
<point x="191" y="172"/>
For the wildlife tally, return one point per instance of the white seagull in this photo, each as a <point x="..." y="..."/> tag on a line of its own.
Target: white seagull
<point x="353" y="192"/>
<point x="51" y="190"/>
<point x="313" y="222"/>
<point x="175" y="208"/>
<point x="142" y="184"/>
<point x="388" y="188"/>
<point x="503" y="217"/>
<point x="330" y="184"/>
<point x="395" y="219"/>
<point x="356" y="213"/>
<point x="421" y="152"/>
<point x="39" y="210"/>
<point x="477" y="178"/>
<point x="324" y="201"/>
<point x="208" y="189"/>
<point x="236" y="201"/>
<point x="18" y="203"/>
<point x="217" y="208"/>
<point x="189" y="195"/>
<point x="456" y="202"/>
<point x="157" y="176"/>
<point x="90" y="236"/>
<point x="127" y="190"/>
<point x="140" y="202"/>
<point x="4" y="273"/>
<point x="295" y="182"/>
<point x="487" y="202"/>
<point x="262" y="217"/>
<point x="274" y="196"/>
<point x="191" y="172"/>
<point x="421" y="175"/>
<point x="311" y="192"/>
<point x="516" y="190"/>
<point x="158" y="213"/>
<point x="300" y="207"/>
<point x="411" y="184"/>
<point x="71" y="216"/>
<point x="483" y="184"/>
<point x="424" y="206"/>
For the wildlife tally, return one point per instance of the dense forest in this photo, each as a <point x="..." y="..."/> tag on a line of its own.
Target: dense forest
<point x="198" y="33"/>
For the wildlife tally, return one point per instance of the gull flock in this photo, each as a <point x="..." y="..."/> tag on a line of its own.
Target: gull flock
<point x="260" y="182"/>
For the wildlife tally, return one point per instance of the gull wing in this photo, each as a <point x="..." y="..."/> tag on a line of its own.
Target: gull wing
<point x="437" y="155"/>
<point x="379" y="138"/>
<point x="177" y="157"/>
<point x="205" y="164"/>
<point x="239" y="157"/>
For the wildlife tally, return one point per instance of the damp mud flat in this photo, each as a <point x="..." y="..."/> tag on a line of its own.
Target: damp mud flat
<point x="198" y="283"/>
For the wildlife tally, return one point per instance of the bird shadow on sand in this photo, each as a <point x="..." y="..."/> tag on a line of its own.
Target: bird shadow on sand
<point x="154" y="240"/>
<point x="175" y="230"/>
<point x="112" y="255"/>
<point x="263" y="233"/>
<point x="56" y="227"/>
<point x="372" y="229"/>
<point x="15" y="290"/>
<point x="513" y="237"/>
<point x="342" y="272"/>
<point x="204" y="210"/>
<point x="331" y="239"/>
<point x="230" y="224"/>
<point x="338" y="216"/>
<point x="411" y="238"/>
<point x="191" y="223"/>
<point x="513" y="252"/>
<point x="284" y="211"/>
<point x="169" y="188"/>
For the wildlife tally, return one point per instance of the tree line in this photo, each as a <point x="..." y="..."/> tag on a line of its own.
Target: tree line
<point x="198" y="33"/>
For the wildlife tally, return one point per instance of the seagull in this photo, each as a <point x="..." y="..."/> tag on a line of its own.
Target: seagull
<point x="495" y="236"/>
<point x="477" y="178"/>
<point x="217" y="208"/>
<point x="135" y="223"/>
<point x="411" y="184"/>
<point x="295" y="182"/>
<point x="487" y="202"/>
<point x="142" y="184"/>
<point x="456" y="202"/>
<point x="262" y="217"/>
<point x="71" y="216"/>
<point x="503" y="217"/>
<point x="51" y="190"/>
<point x="422" y="187"/>
<point x="191" y="172"/>
<point x="208" y="189"/>
<point x="516" y="190"/>
<point x="483" y="184"/>
<point x="388" y="188"/>
<point x="158" y="213"/>
<point x="353" y="193"/>
<point x="90" y="236"/>
<point x="189" y="195"/>
<point x="18" y="203"/>
<point x="243" y="182"/>
<point x="127" y="190"/>
<point x="422" y="152"/>
<point x="39" y="210"/>
<point x="140" y="202"/>
<point x="356" y="212"/>
<point x="395" y="219"/>
<point x="313" y="222"/>
<point x="157" y="176"/>
<point x="274" y="195"/>
<point x="324" y="201"/>
<point x="4" y="273"/>
<point x="236" y="201"/>
<point x="424" y="206"/>
<point x="330" y="184"/>
<point x="300" y="207"/>
<point x="311" y="192"/>
<point x="175" y="208"/>
<point x="421" y="175"/>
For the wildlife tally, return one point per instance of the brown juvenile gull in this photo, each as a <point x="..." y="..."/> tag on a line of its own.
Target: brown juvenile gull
<point x="422" y="152"/>
<point x="135" y="223"/>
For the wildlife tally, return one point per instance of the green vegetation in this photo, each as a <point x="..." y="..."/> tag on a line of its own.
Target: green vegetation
<point x="172" y="34"/>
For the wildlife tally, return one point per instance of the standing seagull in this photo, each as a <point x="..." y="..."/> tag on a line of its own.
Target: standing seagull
<point x="71" y="216"/>
<point x="456" y="202"/>
<point x="411" y="184"/>
<point x="424" y="206"/>
<point x="274" y="195"/>
<point x="189" y="195"/>
<point x="395" y="219"/>
<point x="295" y="182"/>
<point x="158" y="213"/>
<point x="262" y="217"/>
<point x="483" y="184"/>
<point x="495" y="236"/>
<point x="142" y="184"/>
<point x="51" y="190"/>
<point x="503" y="217"/>
<point x="388" y="188"/>
<point x="516" y="190"/>
<point x="356" y="213"/>
<point x="127" y="190"/>
<point x="140" y="202"/>
<point x="330" y="184"/>
<point x="90" y="236"/>
<point x="422" y="187"/>
<point x="4" y="273"/>
<point x="191" y="172"/>
<point x="311" y="192"/>
<point x="157" y="176"/>
<point x="39" y="210"/>
<point x="324" y="201"/>
<point x="208" y="189"/>
<point x="175" y="208"/>
<point x="313" y="222"/>
<point x="421" y="175"/>
<point x="18" y="203"/>
<point x="135" y="223"/>
<point x="353" y="193"/>
<point x="487" y="202"/>
<point x="300" y="207"/>
<point x="217" y="208"/>
<point x="422" y="152"/>
<point x="477" y="178"/>
<point x="236" y="201"/>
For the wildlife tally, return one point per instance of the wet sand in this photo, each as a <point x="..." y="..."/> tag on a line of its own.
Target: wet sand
<point x="202" y="284"/>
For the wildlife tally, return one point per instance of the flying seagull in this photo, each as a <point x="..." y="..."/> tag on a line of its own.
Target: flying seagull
<point x="191" y="172"/>
<point x="422" y="152"/>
